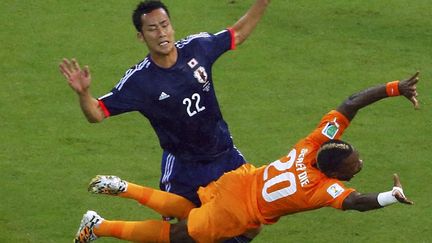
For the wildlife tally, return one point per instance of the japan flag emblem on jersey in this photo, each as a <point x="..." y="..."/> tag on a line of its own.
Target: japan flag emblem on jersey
<point x="192" y="63"/>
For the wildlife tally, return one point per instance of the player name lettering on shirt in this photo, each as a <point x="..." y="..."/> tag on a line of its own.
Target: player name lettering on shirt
<point x="303" y="177"/>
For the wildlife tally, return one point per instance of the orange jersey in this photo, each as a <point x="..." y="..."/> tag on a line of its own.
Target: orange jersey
<point x="242" y="199"/>
<point x="293" y="183"/>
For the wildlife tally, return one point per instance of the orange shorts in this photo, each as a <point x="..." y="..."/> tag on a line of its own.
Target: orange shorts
<point x="226" y="209"/>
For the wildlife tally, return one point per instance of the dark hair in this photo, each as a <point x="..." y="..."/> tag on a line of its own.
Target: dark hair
<point x="143" y="8"/>
<point x="331" y="154"/>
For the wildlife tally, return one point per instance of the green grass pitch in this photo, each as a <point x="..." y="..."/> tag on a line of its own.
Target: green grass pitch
<point x="304" y="58"/>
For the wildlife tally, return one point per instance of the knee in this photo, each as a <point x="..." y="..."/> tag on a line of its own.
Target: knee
<point x="179" y="233"/>
<point x="252" y="233"/>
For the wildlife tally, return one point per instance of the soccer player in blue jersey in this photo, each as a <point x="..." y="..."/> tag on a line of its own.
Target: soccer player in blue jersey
<point x="173" y="88"/>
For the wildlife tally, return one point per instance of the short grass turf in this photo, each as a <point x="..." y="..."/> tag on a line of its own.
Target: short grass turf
<point x="304" y="58"/>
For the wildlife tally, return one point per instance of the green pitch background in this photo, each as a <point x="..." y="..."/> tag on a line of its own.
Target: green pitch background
<point x="304" y="58"/>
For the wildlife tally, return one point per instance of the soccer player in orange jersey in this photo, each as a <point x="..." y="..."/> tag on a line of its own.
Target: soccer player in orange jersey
<point x="307" y="178"/>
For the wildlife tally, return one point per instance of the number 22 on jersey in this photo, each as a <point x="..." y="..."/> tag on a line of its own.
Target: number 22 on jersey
<point x="193" y="104"/>
<point x="283" y="177"/>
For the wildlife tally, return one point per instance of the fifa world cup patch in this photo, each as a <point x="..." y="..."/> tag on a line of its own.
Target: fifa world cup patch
<point x="331" y="129"/>
<point x="335" y="190"/>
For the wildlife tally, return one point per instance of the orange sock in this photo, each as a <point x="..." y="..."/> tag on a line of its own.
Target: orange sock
<point x="137" y="231"/>
<point x="165" y="203"/>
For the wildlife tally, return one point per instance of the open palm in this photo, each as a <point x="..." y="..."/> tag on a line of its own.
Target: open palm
<point x="78" y="79"/>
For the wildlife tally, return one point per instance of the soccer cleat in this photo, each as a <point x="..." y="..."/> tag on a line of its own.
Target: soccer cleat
<point x="111" y="185"/>
<point x="88" y="222"/>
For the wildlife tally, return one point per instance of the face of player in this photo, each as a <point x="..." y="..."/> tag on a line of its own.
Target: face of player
<point x="351" y="166"/>
<point x="158" y="33"/>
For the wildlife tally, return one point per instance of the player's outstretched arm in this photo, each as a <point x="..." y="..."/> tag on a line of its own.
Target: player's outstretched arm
<point x="369" y="201"/>
<point x="247" y="23"/>
<point x="79" y="80"/>
<point x="368" y="96"/>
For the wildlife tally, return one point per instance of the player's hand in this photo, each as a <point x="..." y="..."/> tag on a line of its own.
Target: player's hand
<point x="78" y="79"/>
<point x="399" y="193"/>
<point x="408" y="88"/>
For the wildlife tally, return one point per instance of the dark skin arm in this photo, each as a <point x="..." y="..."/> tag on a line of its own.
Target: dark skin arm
<point x="368" y="96"/>
<point x="368" y="201"/>
<point x="349" y="108"/>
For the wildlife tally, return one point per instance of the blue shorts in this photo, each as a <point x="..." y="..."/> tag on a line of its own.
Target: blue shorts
<point x="185" y="177"/>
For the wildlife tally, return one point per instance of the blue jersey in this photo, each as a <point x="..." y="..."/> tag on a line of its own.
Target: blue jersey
<point x="180" y="101"/>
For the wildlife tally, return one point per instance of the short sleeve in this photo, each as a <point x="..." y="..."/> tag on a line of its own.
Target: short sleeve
<point x="333" y="192"/>
<point x="121" y="99"/>
<point x="215" y="45"/>
<point x="338" y="192"/>
<point x="331" y="126"/>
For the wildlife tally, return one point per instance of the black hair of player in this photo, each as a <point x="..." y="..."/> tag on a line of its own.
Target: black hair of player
<point x="145" y="7"/>
<point x="331" y="155"/>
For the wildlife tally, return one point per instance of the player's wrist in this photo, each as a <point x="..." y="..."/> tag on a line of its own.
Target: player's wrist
<point x="388" y="198"/>
<point x="84" y="93"/>
<point x="392" y="88"/>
